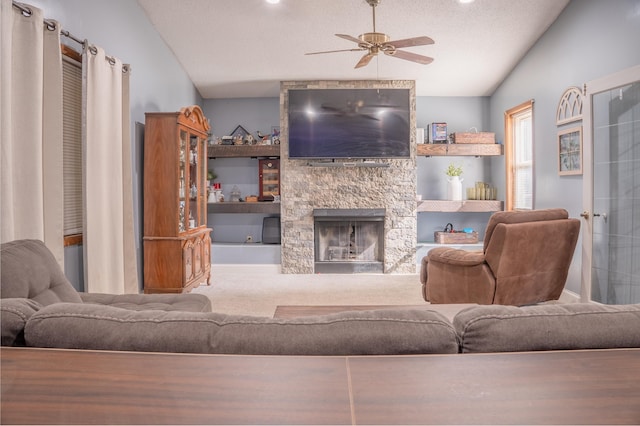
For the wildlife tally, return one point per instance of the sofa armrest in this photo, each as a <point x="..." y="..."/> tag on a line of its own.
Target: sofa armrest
<point x="451" y="256"/>
<point x="499" y="328"/>
<point x="14" y="314"/>
<point x="189" y="302"/>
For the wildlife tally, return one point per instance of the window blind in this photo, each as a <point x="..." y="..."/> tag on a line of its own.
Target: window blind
<point x="72" y="145"/>
<point x="523" y="166"/>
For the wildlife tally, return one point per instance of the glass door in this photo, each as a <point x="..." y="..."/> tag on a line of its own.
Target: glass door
<point x="194" y="188"/>
<point x="269" y="179"/>
<point x="202" y="181"/>
<point x="611" y="225"/>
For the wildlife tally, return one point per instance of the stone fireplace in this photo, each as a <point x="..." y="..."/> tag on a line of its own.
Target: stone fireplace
<point x="367" y="200"/>
<point x="348" y="241"/>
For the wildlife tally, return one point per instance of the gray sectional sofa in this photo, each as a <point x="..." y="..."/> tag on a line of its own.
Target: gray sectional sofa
<point x="40" y="308"/>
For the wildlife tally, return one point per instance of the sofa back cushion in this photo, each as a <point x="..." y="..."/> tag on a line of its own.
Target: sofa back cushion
<point x="30" y="271"/>
<point x="497" y="328"/>
<point x="14" y="314"/>
<point x="190" y="302"/>
<point x="382" y="332"/>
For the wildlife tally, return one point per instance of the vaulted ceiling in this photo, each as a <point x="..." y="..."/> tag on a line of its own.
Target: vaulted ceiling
<point x="244" y="48"/>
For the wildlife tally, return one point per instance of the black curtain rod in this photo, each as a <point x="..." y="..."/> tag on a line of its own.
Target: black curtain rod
<point x="51" y="26"/>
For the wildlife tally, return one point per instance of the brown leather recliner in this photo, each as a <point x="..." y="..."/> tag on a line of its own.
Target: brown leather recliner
<point x="525" y="260"/>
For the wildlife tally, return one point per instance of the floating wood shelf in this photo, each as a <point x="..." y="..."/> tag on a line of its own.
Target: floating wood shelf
<point x="230" y="151"/>
<point x="460" y="206"/>
<point x="476" y="149"/>
<point x="244" y="207"/>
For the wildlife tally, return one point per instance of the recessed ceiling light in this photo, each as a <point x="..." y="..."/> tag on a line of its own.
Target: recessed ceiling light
<point x="466" y="1"/>
<point x="273" y="1"/>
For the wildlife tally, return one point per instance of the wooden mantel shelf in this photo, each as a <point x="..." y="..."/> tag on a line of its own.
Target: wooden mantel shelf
<point x="460" y="206"/>
<point x="476" y="149"/>
<point x="230" y="151"/>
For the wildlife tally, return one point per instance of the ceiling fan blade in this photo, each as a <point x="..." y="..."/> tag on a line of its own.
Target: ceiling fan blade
<point x="424" y="60"/>
<point x="351" y="38"/>
<point x="333" y="51"/>
<point x="409" y="42"/>
<point x="364" y="60"/>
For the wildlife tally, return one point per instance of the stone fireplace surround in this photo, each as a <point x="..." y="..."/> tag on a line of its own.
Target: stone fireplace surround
<point x="305" y="187"/>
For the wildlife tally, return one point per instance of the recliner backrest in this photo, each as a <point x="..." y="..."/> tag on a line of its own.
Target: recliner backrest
<point x="520" y="216"/>
<point x="29" y="270"/>
<point x="530" y="260"/>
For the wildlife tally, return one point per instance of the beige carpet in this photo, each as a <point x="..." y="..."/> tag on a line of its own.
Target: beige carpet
<point x="258" y="289"/>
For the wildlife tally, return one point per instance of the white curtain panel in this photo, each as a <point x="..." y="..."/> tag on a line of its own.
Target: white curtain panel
<point x="31" y="129"/>
<point x="109" y="247"/>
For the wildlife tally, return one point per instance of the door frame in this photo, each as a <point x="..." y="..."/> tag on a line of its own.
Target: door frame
<point x="611" y="81"/>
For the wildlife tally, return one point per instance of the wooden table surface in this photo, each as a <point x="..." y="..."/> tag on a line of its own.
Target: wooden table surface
<point x="48" y="386"/>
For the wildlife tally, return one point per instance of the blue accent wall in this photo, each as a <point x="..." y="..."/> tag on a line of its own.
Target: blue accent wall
<point x="590" y="39"/>
<point x="157" y="83"/>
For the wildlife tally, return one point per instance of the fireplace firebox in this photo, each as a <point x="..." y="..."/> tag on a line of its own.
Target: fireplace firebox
<point x="349" y="240"/>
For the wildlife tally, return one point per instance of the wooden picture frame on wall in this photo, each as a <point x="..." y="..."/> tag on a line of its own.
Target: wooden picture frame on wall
<point x="570" y="151"/>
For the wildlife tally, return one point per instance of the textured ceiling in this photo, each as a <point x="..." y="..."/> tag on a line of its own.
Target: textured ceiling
<point x="244" y="48"/>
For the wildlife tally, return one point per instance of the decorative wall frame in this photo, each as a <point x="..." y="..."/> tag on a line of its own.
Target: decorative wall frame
<point x="570" y="151"/>
<point x="570" y="106"/>
<point x="275" y="135"/>
<point x="240" y="131"/>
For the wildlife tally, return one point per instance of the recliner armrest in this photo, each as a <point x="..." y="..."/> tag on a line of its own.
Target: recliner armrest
<point x="453" y="256"/>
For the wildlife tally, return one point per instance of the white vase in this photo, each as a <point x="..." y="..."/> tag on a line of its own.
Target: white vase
<point x="454" y="188"/>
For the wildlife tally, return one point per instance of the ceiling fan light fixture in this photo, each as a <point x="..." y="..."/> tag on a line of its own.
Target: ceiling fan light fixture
<point x="374" y="38"/>
<point x="375" y="42"/>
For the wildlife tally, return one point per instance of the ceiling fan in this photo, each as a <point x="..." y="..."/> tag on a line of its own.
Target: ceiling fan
<point x="375" y="43"/>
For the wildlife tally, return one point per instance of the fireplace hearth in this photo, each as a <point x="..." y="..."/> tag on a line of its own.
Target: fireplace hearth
<point x="349" y="240"/>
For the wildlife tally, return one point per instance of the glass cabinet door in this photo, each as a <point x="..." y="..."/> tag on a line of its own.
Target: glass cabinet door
<point x="269" y="179"/>
<point x="182" y="182"/>
<point x="193" y="181"/>
<point x="202" y="198"/>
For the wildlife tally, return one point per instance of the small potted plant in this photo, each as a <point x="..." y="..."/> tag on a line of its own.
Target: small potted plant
<point x="211" y="176"/>
<point x="454" y="170"/>
<point x="454" y="182"/>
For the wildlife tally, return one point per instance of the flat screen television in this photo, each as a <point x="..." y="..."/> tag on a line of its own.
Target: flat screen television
<point x="349" y="123"/>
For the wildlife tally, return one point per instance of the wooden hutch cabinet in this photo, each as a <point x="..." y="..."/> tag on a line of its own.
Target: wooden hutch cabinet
<point x="176" y="243"/>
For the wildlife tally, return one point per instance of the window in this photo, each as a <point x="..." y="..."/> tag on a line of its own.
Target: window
<point x="72" y="145"/>
<point x="519" y="157"/>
